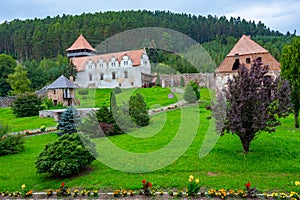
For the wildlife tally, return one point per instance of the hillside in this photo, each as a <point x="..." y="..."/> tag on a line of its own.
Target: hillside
<point x="46" y="38"/>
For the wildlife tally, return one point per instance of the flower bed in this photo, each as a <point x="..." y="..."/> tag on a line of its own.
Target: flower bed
<point x="192" y="191"/>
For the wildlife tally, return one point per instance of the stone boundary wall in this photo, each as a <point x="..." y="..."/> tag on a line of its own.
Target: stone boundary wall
<point x="203" y="79"/>
<point x="6" y="101"/>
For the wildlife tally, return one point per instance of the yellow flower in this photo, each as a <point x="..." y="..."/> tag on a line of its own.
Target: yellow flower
<point x="191" y="178"/>
<point x="197" y="180"/>
<point x="23" y="186"/>
<point x="297" y="183"/>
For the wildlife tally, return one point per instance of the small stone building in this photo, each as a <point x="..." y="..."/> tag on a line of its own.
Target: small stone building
<point x="244" y="52"/>
<point x="62" y="91"/>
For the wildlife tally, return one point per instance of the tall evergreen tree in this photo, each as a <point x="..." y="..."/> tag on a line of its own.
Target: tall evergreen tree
<point x="290" y="69"/>
<point x="138" y="110"/>
<point x="69" y="121"/>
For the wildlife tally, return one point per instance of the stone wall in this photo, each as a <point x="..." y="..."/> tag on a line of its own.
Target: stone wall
<point x="6" y="101"/>
<point x="203" y="79"/>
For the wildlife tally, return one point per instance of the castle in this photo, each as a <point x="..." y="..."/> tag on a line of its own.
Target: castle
<point x="119" y="69"/>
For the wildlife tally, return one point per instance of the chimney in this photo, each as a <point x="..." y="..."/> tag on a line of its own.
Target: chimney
<point x="72" y="79"/>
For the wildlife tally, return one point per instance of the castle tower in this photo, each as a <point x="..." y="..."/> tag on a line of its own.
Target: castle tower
<point x="81" y="48"/>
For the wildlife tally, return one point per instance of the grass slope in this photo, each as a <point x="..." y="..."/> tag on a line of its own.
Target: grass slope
<point x="272" y="164"/>
<point x="24" y="123"/>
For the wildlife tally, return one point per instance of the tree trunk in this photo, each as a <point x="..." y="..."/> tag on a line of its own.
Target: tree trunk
<point x="296" y="118"/>
<point x="246" y="145"/>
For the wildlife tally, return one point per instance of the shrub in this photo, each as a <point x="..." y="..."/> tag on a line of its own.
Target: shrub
<point x="48" y="103"/>
<point x="83" y="92"/>
<point x="67" y="156"/>
<point x="117" y="90"/>
<point x="10" y="144"/>
<point x="138" y="110"/>
<point x="182" y="83"/>
<point x="69" y="121"/>
<point x="26" y="105"/>
<point x="189" y="94"/>
<point x="196" y="89"/>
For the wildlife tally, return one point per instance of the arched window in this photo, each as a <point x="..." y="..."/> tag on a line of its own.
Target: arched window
<point x="236" y="64"/>
<point x="113" y="75"/>
<point x="126" y="74"/>
<point x="101" y="76"/>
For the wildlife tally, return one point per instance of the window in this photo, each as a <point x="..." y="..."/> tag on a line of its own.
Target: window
<point x="90" y="77"/>
<point x="132" y="83"/>
<point x="247" y="60"/>
<point x="101" y="76"/>
<point x="145" y="62"/>
<point x="113" y="74"/>
<point x="126" y="62"/>
<point x="236" y="64"/>
<point x="113" y="64"/>
<point x="126" y="74"/>
<point x="259" y="59"/>
<point x="54" y="91"/>
<point x="120" y="84"/>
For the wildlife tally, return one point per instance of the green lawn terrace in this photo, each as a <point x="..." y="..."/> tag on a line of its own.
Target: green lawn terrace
<point x="272" y="165"/>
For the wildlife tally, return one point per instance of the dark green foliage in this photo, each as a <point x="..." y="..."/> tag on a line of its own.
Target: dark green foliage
<point x="10" y="144"/>
<point x="67" y="156"/>
<point x="157" y="82"/>
<point x="182" y="83"/>
<point x="52" y="36"/>
<point x="7" y="66"/>
<point x="290" y="69"/>
<point x="26" y="105"/>
<point x="83" y="92"/>
<point x="117" y="90"/>
<point x="138" y="110"/>
<point x="69" y="121"/>
<point x="189" y="94"/>
<point x="254" y="103"/>
<point x="196" y="89"/>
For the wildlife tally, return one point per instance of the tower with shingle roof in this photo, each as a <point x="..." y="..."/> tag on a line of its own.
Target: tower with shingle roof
<point x="81" y="48"/>
<point x="244" y="52"/>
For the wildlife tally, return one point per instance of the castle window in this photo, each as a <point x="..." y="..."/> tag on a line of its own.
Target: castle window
<point x="113" y="74"/>
<point x="120" y="84"/>
<point x="126" y="62"/>
<point x="90" y="77"/>
<point x="132" y="83"/>
<point x="54" y="91"/>
<point x="126" y="74"/>
<point x="101" y="76"/>
<point x="247" y="60"/>
<point x="236" y="64"/>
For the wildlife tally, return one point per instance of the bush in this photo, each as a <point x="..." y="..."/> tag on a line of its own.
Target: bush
<point x="83" y="92"/>
<point x="27" y="105"/>
<point x="196" y="89"/>
<point x="48" y="103"/>
<point x="189" y="94"/>
<point x="138" y="110"/>
<point x="10" y="144"/>
<point x="117" y="90"/>
<point x="67" y="156"/>
<point x="69" y="121"/>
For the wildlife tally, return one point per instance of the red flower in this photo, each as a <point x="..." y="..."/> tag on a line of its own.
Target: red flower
<point x="150" y="184"/>
<point x="248" y="185"/>
<point x="144" y="181"/>
<point x="63" y="184"/>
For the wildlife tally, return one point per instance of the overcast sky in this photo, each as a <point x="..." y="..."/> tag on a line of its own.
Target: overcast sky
<point x="281" y="15"/>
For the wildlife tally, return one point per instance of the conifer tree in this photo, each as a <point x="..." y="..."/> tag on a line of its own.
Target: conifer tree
<point x="69" y="121"/>
<point x="189" y="94"/>
<point x="138" y="110"/>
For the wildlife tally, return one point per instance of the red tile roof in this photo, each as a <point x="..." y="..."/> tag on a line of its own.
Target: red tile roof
<point x="246" y="46"/>
<point x="81" y="43"/>
<point x="134" y="55"/>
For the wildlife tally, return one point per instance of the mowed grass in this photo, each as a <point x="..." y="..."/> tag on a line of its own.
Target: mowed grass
<point x="24" y="123"/>
<point x="273" y="163"/>
<point x="101" y="97"/>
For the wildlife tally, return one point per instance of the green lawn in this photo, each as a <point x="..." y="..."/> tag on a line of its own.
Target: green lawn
<point x="23" y="123"/>
<point x="272" y="164"/>
<point x="152" y="96"/>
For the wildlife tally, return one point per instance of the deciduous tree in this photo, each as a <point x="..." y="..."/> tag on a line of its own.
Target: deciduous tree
<point x="19" y="81"/>
<point x="253" y="103"/>
<point x="7" y="65"/>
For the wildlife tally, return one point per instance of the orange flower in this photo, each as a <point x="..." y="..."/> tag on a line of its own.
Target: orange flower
<point x="144" y="181"/>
